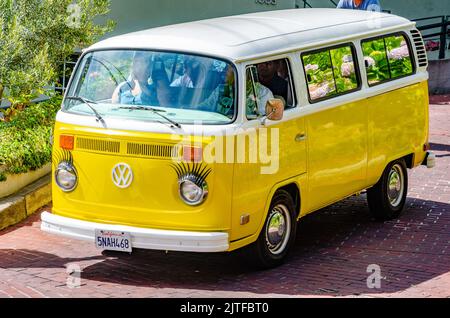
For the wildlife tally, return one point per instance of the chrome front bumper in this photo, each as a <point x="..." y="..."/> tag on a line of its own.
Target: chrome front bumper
<point x="144" y="238"/>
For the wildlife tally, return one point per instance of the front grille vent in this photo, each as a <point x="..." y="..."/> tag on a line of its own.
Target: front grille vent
<point x="153" y="151"/>
<point x="98" y="145"/>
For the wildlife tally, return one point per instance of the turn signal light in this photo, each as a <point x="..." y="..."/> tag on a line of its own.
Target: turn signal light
<point x="66" y="142"/>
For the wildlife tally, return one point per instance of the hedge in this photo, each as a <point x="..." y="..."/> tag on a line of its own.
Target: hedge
<point x="25" y="141"/>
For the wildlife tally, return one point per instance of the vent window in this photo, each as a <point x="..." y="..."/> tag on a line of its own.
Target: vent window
<point x="420" y="48"/>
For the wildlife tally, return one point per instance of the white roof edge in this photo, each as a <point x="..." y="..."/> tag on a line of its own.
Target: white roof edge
<point x="319" y="44"/>
<point x="239" y="40"/>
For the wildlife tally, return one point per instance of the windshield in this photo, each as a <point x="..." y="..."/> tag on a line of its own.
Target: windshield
<point x="184" y="88"/>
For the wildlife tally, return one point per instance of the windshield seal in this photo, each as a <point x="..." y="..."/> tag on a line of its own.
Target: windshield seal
<point x="77" y="73"/>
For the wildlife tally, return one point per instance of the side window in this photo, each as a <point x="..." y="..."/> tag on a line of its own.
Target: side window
<point x="267" y="80"/>
<point x="387" y="58"/>
<point x="330" y="72"/>
<point x="345" y="75"/>
<point x="376" y="61"/>
<point x="319" y="74"/>
<point x="399" y="57"/>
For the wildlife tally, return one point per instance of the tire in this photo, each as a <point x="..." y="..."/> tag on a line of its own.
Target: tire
<point x="271" y="250"/>
<point x="387" y="198"/>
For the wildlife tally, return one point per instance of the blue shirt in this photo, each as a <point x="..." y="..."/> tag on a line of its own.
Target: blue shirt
<point x="127" y="98"/>
<point x="370" y="5"/>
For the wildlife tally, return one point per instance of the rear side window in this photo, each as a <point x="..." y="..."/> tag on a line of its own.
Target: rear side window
<point x="387" y="58"/>
<point x="330" y="72"/>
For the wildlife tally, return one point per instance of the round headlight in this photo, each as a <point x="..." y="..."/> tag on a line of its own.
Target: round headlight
<point x="66" y="176"/>
<point x="192" y="193"/>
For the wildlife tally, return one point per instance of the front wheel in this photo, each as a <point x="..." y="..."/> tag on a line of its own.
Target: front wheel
<point x="387" y="198"/>
<point x="277" y="234"/>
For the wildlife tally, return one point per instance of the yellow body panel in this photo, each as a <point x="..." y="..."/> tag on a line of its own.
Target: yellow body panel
<point x="346" y="150"/>
<point x="252" y="189"/>
<point x="398" y="126"/>
<point x="349" y="146"/>
<point x="337" y="153"/>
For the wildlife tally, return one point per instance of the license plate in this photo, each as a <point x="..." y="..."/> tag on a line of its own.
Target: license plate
<point x="113" y="241"/>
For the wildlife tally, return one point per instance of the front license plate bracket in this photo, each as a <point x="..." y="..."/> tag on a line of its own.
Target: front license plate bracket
<point x="113" y="241"/>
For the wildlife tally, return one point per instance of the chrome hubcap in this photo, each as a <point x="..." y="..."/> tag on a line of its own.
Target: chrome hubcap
<point x="395" y="185"/>
<point x="278" y="229"/>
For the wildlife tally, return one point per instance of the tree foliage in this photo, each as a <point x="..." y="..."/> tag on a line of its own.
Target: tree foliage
<point x="36" y="36"/>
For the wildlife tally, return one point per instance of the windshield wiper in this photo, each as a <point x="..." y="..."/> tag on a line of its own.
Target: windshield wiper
<point x="154" y="111"/>
<point x="142" y="108"/>
<point x="89" y="104"/>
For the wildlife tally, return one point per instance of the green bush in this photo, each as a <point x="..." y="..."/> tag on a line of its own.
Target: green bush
<point x="25" y="140"/>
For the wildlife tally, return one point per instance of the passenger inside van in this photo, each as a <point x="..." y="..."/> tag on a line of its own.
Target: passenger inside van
<point x="221" y="99"/>
<point x="283" y="72"/>
<point x="194" y="74"/>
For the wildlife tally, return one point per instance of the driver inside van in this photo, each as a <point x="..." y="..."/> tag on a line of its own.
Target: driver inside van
<point x="147" y="80"/>
<point x="268" y="76"/>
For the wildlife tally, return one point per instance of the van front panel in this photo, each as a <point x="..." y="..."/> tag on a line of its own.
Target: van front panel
<point x="152" y="200"/>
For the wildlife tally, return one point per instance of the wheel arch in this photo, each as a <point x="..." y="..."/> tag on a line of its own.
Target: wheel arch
<point x="409" y="160"/>
<point x="294" y="190"/>
<point x="294" y="187"/>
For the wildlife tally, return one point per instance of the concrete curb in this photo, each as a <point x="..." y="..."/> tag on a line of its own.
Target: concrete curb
<point x="16" y="182"/>
<point x="24" y="203"/>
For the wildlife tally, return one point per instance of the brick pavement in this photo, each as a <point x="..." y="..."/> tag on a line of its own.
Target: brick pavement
<point x="333" y="250"/>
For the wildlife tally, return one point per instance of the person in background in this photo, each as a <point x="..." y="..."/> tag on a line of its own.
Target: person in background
<point x="368" y="5"/>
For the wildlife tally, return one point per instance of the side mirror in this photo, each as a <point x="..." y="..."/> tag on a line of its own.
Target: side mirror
<point x="275" y="109"/>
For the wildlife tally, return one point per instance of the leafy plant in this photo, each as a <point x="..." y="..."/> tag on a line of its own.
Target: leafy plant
<point x="25" y="140"/>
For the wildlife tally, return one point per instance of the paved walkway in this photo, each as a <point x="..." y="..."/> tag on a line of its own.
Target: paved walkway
<point x="333" y="251"/>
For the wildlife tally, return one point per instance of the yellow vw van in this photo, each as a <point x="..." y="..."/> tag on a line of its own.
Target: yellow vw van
<point x="220" y="134"/>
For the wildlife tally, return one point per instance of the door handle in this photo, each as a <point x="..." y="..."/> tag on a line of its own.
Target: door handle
<point x="300" y="137"/>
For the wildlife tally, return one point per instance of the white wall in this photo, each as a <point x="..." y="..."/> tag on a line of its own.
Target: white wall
<point x="133" y="15"/>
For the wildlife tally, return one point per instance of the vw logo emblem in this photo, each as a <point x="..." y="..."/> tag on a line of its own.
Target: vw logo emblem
<point x="122" y="175"/>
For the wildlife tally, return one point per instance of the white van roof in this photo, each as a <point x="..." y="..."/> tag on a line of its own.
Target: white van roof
<point x="245" y="36"/>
